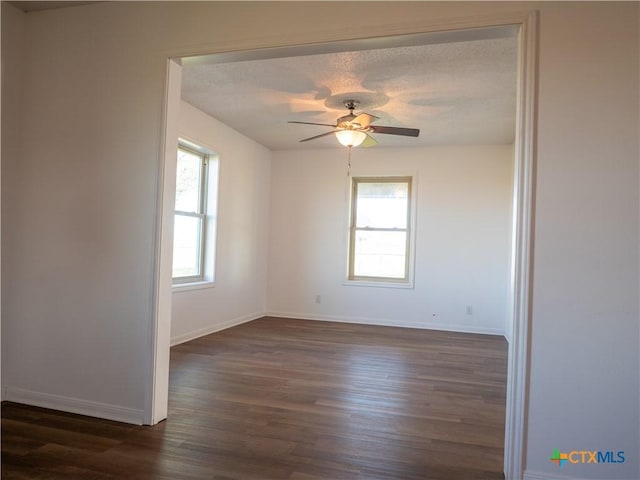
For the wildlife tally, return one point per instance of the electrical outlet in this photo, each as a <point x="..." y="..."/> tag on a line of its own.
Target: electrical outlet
<point x="469" y="310"/>
<point x="318" y="299"/>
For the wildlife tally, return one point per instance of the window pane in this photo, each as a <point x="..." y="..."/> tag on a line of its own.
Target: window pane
<point x="382" y="205"/>
<point x="186" y="246"/>
<point x="380" y="254"/>
<point x="188" y="181"/>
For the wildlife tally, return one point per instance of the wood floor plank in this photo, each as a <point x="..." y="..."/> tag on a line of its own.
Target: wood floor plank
<point x="287" y="399"/>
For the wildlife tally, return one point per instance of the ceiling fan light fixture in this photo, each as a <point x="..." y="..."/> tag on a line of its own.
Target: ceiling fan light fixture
<point x="351" y="138"/>
<point x="352" y="130"/>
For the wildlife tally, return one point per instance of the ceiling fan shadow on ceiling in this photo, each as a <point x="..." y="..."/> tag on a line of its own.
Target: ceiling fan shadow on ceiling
<point x="354" y="130"/>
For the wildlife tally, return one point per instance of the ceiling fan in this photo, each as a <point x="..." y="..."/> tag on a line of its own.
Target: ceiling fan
<point x="353" y="130"/>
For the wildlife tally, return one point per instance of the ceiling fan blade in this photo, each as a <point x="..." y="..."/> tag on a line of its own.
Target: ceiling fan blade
<point x="364" y="119"/>
<point x="318" y="136"/>
<point x="369" y="142"/>
<point x="407" y="132"/>
<point x="310" y="123"/>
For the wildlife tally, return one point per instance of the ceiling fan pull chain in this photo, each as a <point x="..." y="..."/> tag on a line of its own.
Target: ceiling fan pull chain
<point x="349" y="163"/>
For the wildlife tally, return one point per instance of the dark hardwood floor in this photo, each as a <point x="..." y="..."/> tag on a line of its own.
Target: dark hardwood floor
<point x="291" y="399"/>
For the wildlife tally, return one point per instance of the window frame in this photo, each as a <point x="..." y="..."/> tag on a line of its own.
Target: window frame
<point x="407" y="279"/>
<point x="201" y="214"/>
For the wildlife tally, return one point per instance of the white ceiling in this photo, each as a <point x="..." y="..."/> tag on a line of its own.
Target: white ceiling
<point x="456" y="87"/>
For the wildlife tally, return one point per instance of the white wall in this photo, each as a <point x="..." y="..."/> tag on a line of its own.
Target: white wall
<point x="13" y="50"/>
<point x="12" y="39"/>
<point x="78" y="306"/>
<point x="585" y="338"/>
<point x="76" y="324"/>
<point x="462" y="240"/>
<point x="243" y="212"/>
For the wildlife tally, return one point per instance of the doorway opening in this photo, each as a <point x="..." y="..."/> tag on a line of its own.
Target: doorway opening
<point x="157" y="387"/>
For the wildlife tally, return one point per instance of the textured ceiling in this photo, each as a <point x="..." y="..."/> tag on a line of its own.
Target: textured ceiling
<point x="455" y="92"/>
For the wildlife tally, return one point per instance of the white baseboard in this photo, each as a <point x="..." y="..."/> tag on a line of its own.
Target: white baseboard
<point x="507" y="337"/>
<point x="538" y="476"/>
<point x="389" y="323"/>
<point x="74" y="405"/>
<point x="185" y="337"/>
<point x="529" y="475"/>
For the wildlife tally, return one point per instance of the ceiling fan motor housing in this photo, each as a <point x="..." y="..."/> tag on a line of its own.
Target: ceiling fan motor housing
<point x="346" y="121"/>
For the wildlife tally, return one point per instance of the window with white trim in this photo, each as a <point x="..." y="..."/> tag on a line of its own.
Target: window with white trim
<point x="194" y="219"/>
<point x="379" y="234"/>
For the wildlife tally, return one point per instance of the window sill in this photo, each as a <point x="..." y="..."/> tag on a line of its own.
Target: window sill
<point x="186" y="287"/>
<point x="382" y="284"/>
